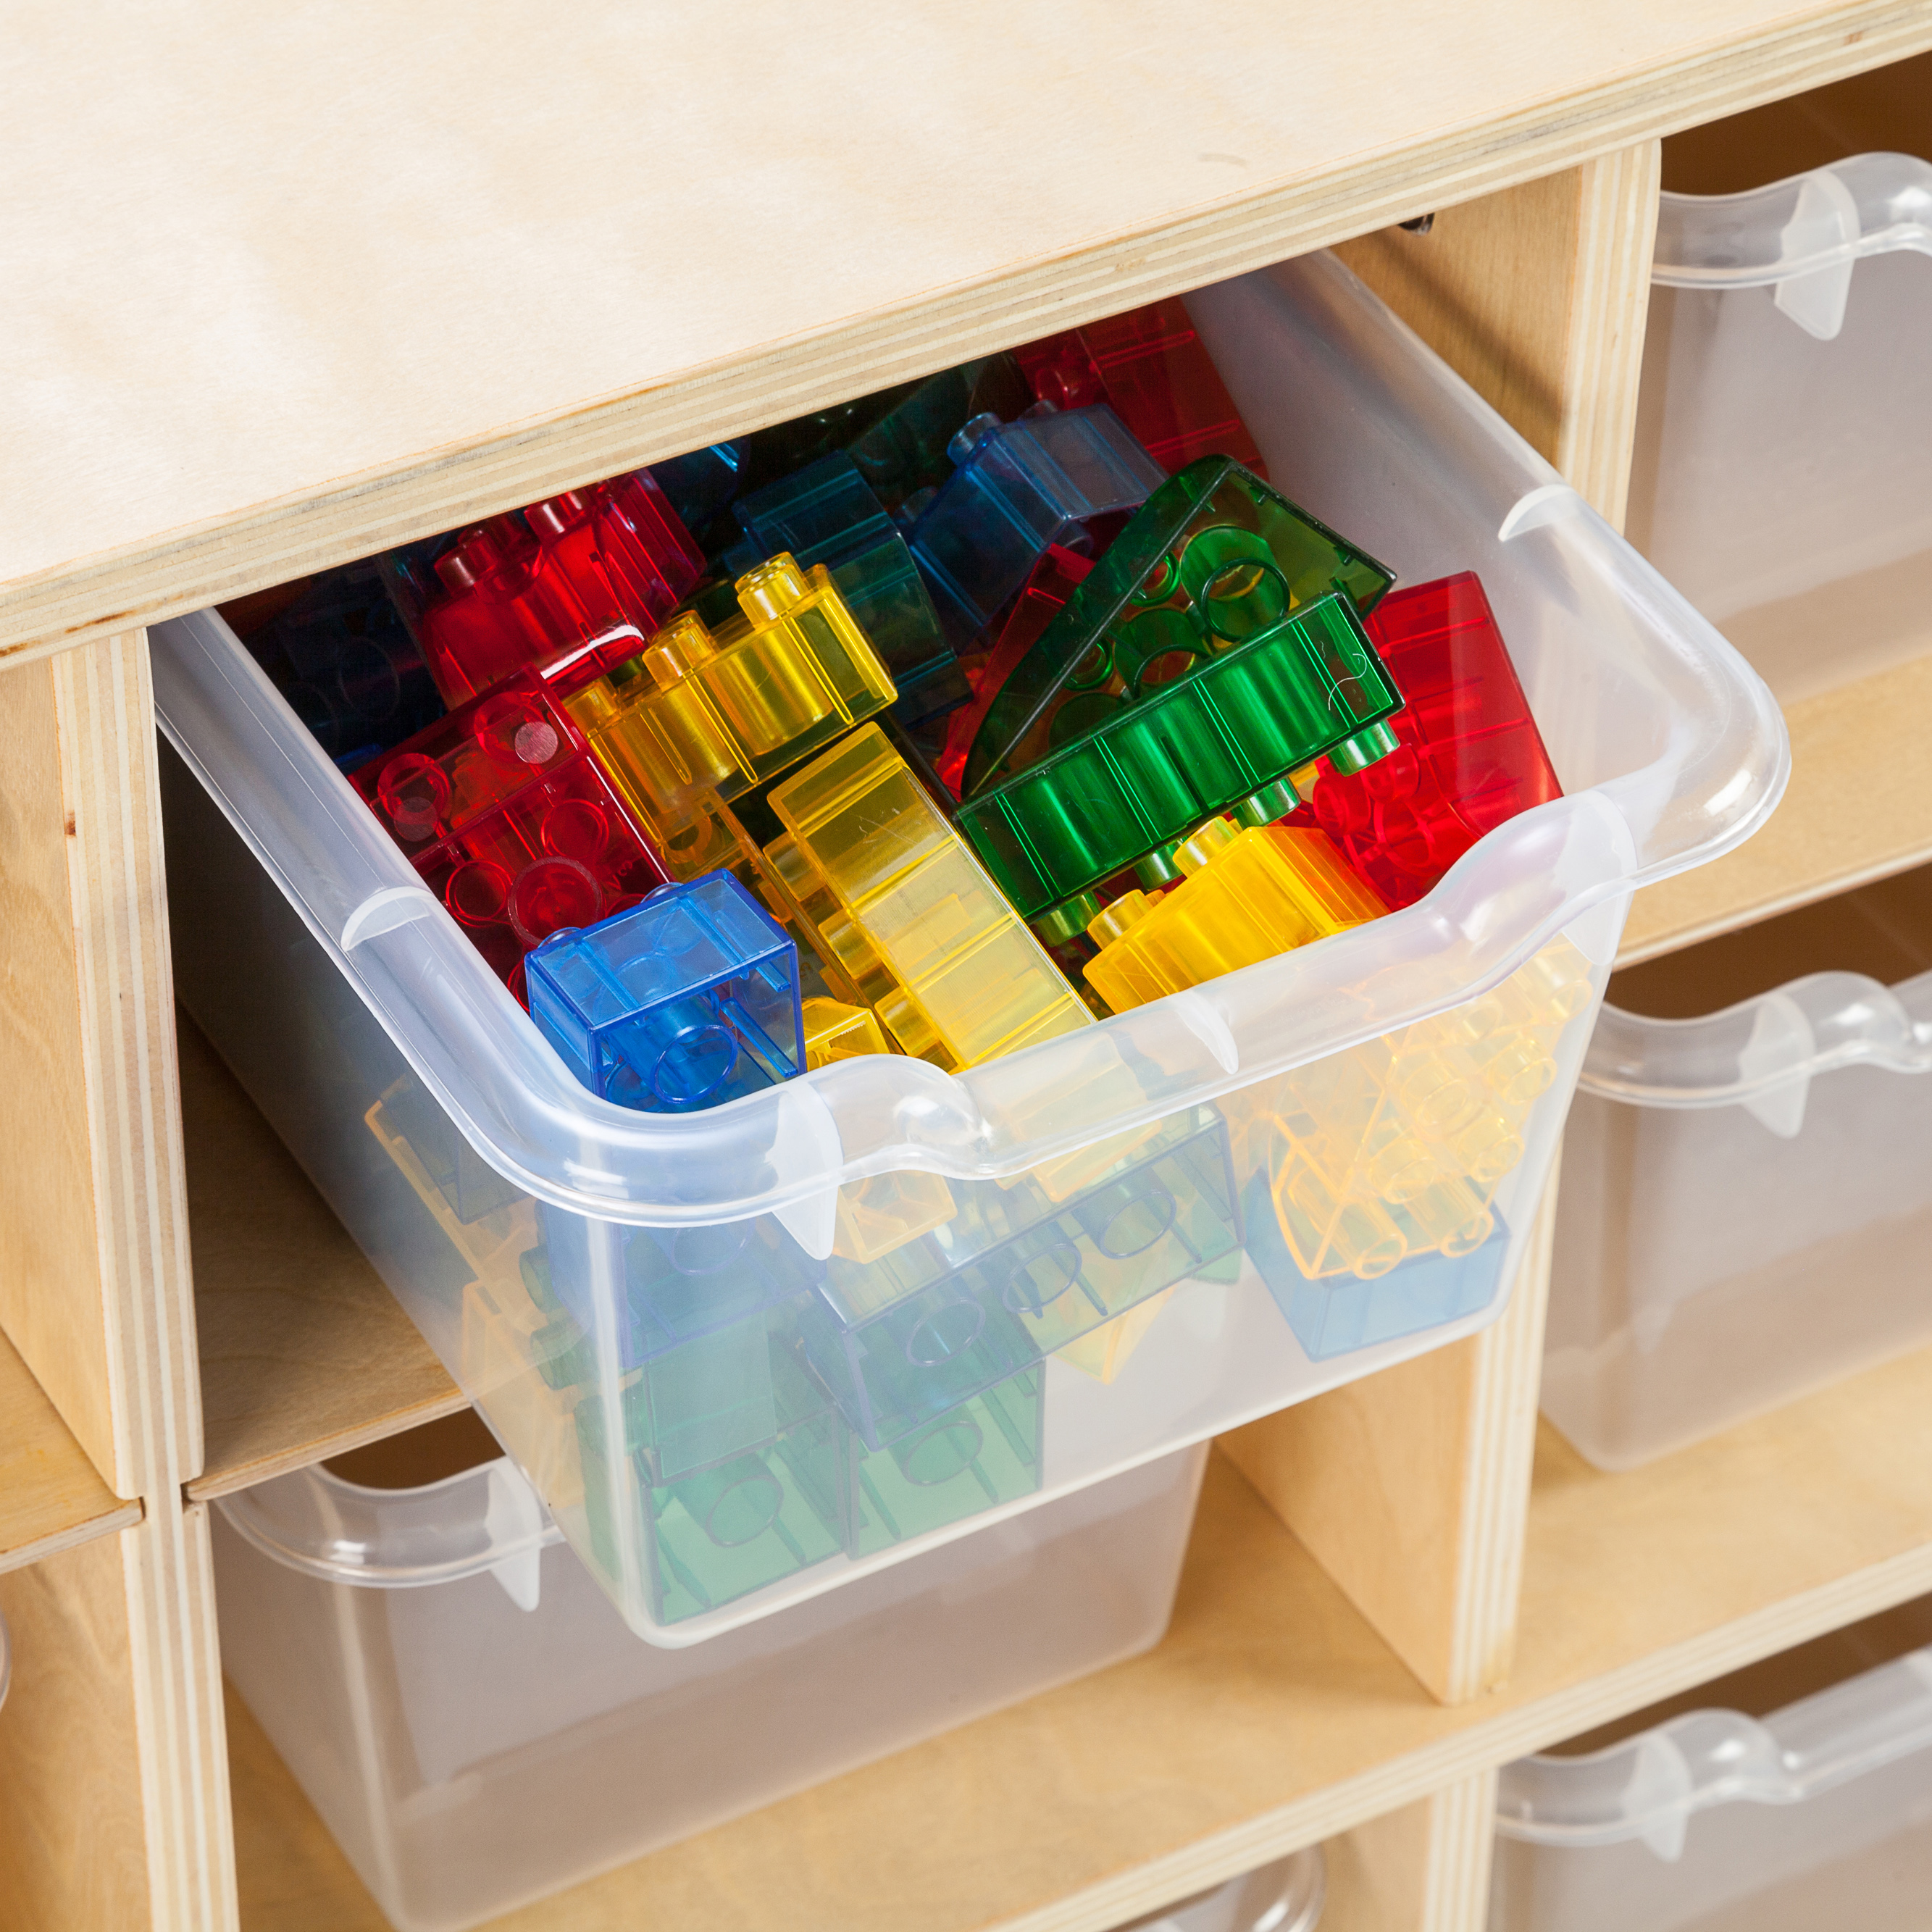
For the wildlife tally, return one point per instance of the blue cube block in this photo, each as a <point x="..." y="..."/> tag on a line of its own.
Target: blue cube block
<point x="1019" y="486"/>
<point x="826" y="513"/>
<point x="688" y="1000"/>
<point x="1340" y="1313"/>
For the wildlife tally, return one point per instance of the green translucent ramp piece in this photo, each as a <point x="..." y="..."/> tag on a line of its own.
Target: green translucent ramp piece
<point x="983" y="1454"/>
<point x="1224" y="736"/>
<point x="1213" y="559"/>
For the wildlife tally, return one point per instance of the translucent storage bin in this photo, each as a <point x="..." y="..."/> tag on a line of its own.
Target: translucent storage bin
<point x="1745" y="1205"/>
<point x="1818" y="1815"/>
<point x="477" y="1728"/>
<point x="1284" y="1897"/>
<point x="1783" y="478"/>
<point x="749" y="1355"/>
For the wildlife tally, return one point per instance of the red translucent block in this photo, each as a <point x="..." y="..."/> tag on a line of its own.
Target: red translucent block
<point x="1047" y="588"/>
<point x="505" y="813"/>
<point x="1470" y="755"/>
<point x="503" y="605"/>
<point x="575" y="584"/>
<point x="1152" y="367"/>
<point x="646" y="555"/>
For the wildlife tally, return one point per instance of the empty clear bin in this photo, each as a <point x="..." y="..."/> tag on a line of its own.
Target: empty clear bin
<point x="477" y="1727"/>
<point x="1817" y="1815"/>
<point x="1783" y="478"/>
<point x="1745" y="1205"/>
<point x="750" y="1354"/>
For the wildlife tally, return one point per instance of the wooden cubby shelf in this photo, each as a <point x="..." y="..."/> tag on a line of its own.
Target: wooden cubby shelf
<point x="304" y="1353"/>
<point x="51" y="1496"/>
<point x="313" y="310"/>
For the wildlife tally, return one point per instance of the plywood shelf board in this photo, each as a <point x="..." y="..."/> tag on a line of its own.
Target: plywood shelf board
<point x="330" y="304"/>
<point x="304" y="1353"/>
<point x="1859" y="808"/>
<point x="1272" y="1716"/>
<point x="51" y="1496"/>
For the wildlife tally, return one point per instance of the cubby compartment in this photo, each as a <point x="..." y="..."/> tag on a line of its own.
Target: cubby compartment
<point x="476" y="1726"/>
<point x="1745" y="1205"/>
<point x="1796" y="1794"/>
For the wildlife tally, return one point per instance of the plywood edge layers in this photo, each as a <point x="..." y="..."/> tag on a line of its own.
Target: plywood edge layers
<point x="104" y="705"/>
<point x="169" y="1572"/>
<point x="436" y="490"/>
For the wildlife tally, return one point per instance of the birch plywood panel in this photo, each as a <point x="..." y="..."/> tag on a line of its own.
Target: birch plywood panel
<point x="287" y="285"/>
<point x="51" y="1496"/>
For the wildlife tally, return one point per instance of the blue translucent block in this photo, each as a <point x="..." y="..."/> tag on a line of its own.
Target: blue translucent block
<point x="342" y="656"/>
<point x="669" y="1285"/>
<point x="1014" y="1276"/>
<point x="701" y="484"/>
<point x="688" y="1000"/>
<point x="826" y="513"/>
<point x="1018" y="487"/>
<point x="985" y="1453"/>
<point x="1340" y="1313"/>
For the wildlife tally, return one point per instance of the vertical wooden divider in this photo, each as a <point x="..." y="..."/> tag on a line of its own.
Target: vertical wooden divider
<point x="117" y="1663"/>
<point x="1411" y="1487"/>
<point x="1425" y="1868"/>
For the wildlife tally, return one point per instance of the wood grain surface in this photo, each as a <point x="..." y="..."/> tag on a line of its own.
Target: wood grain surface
<point x="72" y="1845"/>
<point x="277" y="298"/>
<point x="51" y="1496"/>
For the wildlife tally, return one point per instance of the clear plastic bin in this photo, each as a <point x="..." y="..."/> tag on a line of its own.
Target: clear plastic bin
<point x="1816" y="1816"/>
<point x="477" y="1727"/>
<point x="1745" y="1205"/>
<point x="1783" y="478"/>
<point x="748" y="1355"/>
<point x="1284" y="1897"/>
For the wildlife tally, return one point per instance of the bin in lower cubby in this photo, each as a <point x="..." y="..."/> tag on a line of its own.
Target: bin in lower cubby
<point x="1783" y="473"/>
<point x="750" y="1353"/>
<point x="1286" y="1896"/>
<point x="1817" y="1812"/>
<point x="478" y="1728"/>
<point x="1745" y="1205"/>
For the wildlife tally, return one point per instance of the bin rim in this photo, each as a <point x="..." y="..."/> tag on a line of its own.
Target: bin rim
<point x="1721" y="759"/>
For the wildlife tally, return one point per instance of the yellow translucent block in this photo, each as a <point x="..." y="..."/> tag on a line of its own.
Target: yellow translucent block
<point x="834" y="1030"/>
<point x="889" y="881"/>
<point x="725" y="710"/>
<point x="1396" y="1147"/>
<point x="716" y="842"/>
<point x="536" y="1422"/>
<point x="1247" y="896"/>
<point x="884" y="1211"/>
<point x="493" y="1245"/>
<point x="1103" y="1352"/>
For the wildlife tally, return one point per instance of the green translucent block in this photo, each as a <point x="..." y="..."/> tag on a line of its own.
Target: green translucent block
<point x="560" y="1350"/>
<point x="1221" y="737"/>
<point x="983" y="1454"/>
<point x="905" y="449"/>
<point x="757" y="1513"/>
<point x="1015" y="1275"/>
<point x="1213" y="559"/>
